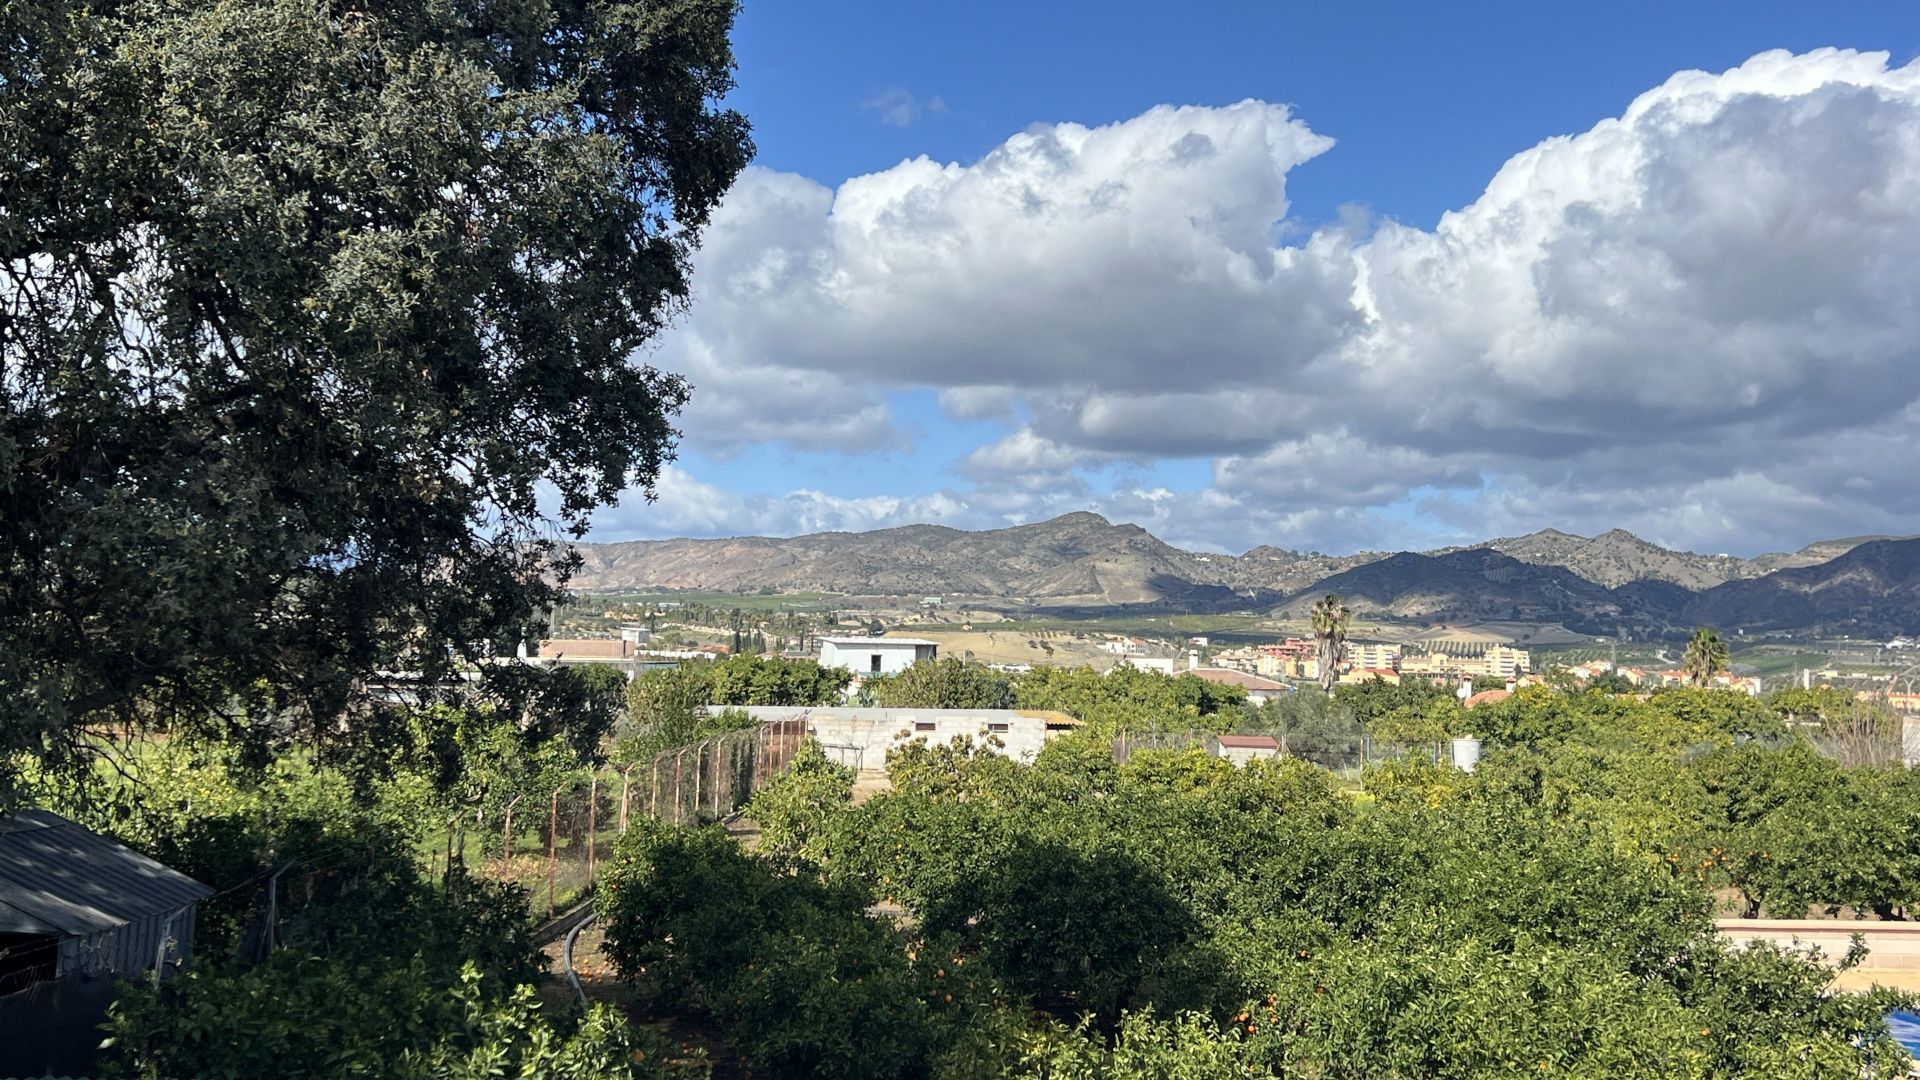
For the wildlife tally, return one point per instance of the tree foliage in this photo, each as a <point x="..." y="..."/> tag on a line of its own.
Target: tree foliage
<point x="759" y="680"/>
<point x="1127" y="699"/>
<point x="307" y="309"/>
<point x="1329" y="618"/>
<point x="298" y="1017"/>
<point x="941" y="684"/>
<point x="1706" y="656"/>
<point x="1180" y="916"/>
<point x="793" y="809"/>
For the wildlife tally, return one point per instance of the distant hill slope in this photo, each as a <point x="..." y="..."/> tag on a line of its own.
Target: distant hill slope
<point x="1813" y="554"/>
<point x="1474" y="584"/>
<point x="1874" y="585"/>
<point x="1601" y="584"/>
<point x="1080" y="558"/>
<point x="1616" y="557"/>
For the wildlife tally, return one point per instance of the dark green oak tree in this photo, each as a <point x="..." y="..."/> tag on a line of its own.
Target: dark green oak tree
<point x="318" y="326"/>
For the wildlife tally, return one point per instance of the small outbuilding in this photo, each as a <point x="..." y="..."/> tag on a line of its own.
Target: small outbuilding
<point x="876" y="655"/>
<point x="78" y="912"/>
<point x="1241" y="749"/>
<point x="1260" y="689"/>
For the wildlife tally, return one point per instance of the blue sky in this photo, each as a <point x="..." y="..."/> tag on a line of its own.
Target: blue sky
<point x="1301" y="401"/>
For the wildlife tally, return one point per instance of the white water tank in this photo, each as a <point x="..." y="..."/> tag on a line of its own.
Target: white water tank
<point x="1466" y="754"/>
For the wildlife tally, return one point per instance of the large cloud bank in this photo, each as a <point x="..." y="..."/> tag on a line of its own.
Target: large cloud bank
<point x="1699" y="320"/>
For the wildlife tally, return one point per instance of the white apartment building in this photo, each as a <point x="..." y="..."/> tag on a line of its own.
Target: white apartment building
<point x="1372" y="654"/>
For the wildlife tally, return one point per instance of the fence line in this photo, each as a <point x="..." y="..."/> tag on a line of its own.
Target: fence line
<point x="559" y="852"/>
<point x="1331" y="751"/>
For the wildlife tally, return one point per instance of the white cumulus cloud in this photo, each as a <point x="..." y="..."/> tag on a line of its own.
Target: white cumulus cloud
<point x="1697" y="319"/>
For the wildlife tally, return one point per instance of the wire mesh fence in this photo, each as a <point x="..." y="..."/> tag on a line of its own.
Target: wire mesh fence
<point x="552" y="842"/>
<point x="1338" y="752"/>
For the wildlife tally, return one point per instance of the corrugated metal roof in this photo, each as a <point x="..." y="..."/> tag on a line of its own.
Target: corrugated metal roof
<point x="64" y="879"/>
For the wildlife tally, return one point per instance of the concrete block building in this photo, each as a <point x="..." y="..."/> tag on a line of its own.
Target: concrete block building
<point x="861" y="737"/>
<point x="876" y="655"/>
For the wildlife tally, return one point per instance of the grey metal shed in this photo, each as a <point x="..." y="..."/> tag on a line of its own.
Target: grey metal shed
<point x="78" y="911"/>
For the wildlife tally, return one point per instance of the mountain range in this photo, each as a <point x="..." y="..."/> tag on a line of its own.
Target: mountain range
<point x="1611" y="583"/>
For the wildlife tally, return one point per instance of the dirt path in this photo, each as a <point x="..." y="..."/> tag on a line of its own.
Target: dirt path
<point x="869" y="783"/>
<point x="698" y="1049"/>
<point x="703" y="1053"/>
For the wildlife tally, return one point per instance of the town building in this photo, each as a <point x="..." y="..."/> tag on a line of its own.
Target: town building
<point x="1496" y="661"/>
<point x="1371" y="654"/>
<point x="1428" y="664"/>
<point x="1241" y="659"/>
<point x="1293" y="658"/>
<point x="1165" y="665"/>
<point x="78" y="912"/>
<point x="1504" y="662"/>
<point x="861" y="737"/>
<point x="876" y="655"/>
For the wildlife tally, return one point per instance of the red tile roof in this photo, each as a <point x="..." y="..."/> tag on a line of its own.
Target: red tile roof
<point x="1249" y="742"/>
<point x="1230" y="677"/>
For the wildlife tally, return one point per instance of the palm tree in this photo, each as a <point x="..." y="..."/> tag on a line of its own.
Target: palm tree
<point x="1330" y="629"/>
<point x="1706" y="656"/>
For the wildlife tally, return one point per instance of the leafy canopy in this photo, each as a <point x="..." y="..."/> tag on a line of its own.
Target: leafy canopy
<point x="312" y="315"/>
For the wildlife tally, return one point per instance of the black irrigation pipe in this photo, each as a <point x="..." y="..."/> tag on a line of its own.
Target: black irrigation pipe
<point x="566" y="956"/>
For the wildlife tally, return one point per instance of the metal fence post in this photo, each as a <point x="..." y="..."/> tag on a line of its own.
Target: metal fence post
<point x="679" y="757"/>
<point x="506" y="835"/>
<point x="593" y="802"/>
<point x="697" y="756"/>
<point x="553" y="845"/>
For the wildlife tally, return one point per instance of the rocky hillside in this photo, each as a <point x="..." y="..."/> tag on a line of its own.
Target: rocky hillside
<point x="1616" y="557"/>
<point x="1813" y="554"/>
<point x="1603" y="584"/>
<point x="1077" y="558"/>
<point x="1476" y="584"/>
<point x="1873" y="586"/>
<point x="1280" y="570"/>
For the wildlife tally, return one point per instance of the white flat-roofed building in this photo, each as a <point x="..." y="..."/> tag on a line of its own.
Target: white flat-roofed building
<point x="876" y="655"/>
<point x="860" y="737"/>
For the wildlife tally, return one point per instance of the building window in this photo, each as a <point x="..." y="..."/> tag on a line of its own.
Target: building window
<point x="923" y="725"/>
<point x="874" y="664"/>
<point x="997" y="729"/>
